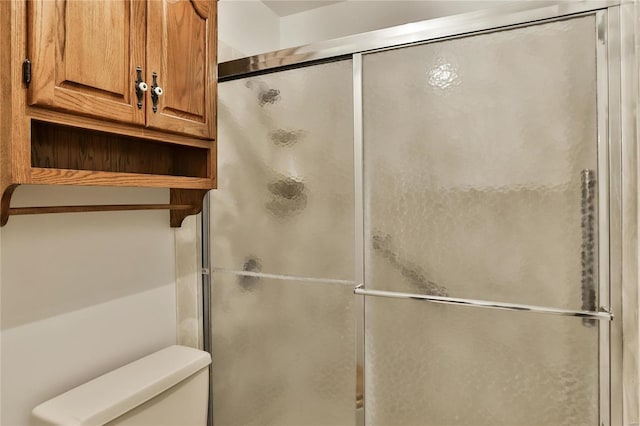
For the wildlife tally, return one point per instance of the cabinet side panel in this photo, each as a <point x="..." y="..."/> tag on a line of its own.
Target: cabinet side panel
<point x="212" y="71"/>
<point x="19" y="158"/>
<point x="5" y="90"/>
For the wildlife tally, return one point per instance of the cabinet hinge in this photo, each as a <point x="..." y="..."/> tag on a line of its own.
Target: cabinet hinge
<point x="26" y="72"/>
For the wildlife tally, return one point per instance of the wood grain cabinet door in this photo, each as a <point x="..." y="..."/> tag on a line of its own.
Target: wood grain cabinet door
<point x="181" y="53"/>
<point x="84" y="56"/>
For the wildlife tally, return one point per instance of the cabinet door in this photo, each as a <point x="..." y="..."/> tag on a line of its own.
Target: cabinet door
<point x="84" y="56"/>
<point x="181" y="52"/>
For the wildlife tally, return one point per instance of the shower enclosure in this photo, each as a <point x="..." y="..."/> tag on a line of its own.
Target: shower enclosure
<point x="465" y="178"/>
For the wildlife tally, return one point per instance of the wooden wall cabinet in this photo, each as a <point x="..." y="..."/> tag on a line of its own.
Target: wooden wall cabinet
<point x="115" y="93"/>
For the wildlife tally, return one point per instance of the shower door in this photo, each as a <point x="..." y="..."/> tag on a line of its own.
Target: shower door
<point x="458" y="179"/>
<point x="480" y="174"/>
<point x="283" y="318"/>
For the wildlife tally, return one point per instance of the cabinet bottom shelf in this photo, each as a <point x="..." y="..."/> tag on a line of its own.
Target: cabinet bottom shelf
<point x="66" y="155"/>
<point x="56" y="147"/>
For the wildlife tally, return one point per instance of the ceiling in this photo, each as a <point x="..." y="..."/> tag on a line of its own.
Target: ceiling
<point x="289" y="7"/>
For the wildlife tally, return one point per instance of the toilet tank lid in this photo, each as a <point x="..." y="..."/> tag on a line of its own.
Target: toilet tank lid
<point x="116" y="392"/>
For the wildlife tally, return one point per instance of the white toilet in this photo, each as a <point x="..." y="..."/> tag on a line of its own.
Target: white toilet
<point x="169" y="387"/>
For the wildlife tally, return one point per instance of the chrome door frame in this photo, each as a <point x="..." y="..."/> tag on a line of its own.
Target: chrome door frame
<point x="359" y="261"/>
<point x="625" y="350"/>
<point x="617" y="102"/>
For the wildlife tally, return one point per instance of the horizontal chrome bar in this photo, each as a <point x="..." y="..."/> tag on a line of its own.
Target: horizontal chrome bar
<point x="484" y="20"/>
<point x="603" y="315"/>
<point x="283" y="277"/>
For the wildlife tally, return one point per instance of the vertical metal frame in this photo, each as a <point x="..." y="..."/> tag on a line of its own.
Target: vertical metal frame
<point x="602" y="95"/>
<point x="627" y="375"/>
<point x="358" y="165"/>
<point x="206" y="294"/>
<point x="612" y="346"/>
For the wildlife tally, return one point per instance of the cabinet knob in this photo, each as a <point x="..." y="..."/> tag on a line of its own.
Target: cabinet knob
<point x="141" y="86"/>
<point x="156" y="91"/>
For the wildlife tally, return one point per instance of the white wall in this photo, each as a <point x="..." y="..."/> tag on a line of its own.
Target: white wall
<point x="81" y="294"/>
<point x="357" y="16"/>
<point x="246" y="28"/>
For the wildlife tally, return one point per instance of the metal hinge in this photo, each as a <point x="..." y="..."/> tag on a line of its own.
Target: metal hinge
<point x="205" y="271"/>
<point x="26" y="72"/>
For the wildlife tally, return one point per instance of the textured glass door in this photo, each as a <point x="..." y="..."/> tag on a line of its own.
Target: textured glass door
<point x="283" y="316"/>
<point x="480" y="156"/>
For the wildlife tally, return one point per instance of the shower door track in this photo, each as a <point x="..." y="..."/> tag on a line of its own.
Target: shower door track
<point x="617" y="172"/>
<point x="508" y="16"/>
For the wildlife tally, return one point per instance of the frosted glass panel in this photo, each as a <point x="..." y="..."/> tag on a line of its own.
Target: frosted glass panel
<point x="436" y="365"/>
<point x="283" y="352"/>
<point x="474" y="149"/>
<point x="284" y="203"/>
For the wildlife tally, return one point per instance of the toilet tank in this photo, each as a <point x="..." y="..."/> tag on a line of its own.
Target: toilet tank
<point x="169" y="387"/>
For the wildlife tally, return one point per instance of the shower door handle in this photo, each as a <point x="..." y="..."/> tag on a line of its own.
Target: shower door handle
<point x="587" y="224"/>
